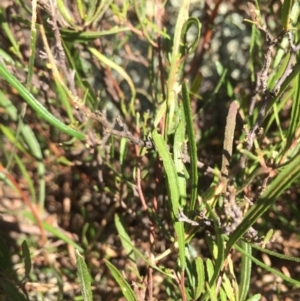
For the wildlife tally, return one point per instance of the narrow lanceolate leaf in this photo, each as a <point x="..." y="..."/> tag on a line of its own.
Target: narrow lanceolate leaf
<point x="63" y="9"/>
<point x="178" y="149"/>
<point x="36" y="105"/>
<point x="84" y="277"/>
<point x="186" y="26"/>
<point x="26" y="257"/>
<point x="179" y="229"/>
<point x="199" y="289"/>
<point x="295" y="116"/>
<point x="228" y="289"/>
<point x="269" y="269"/>
<point x="294" y="13"/>
<point x="170" y="169"/>
<point x="210" y="287"/>
<point x="256" y="297"/>
<point x="275" y="254"/>
<point x="175" y="63"/>
<point x="284" y="179"/>
<point x="191" y="143"/>
<point x="209" y="268"/>
<point x="173" y="191"/>
<point x="285" y="11"/>
<point x="124" y="285"/>
<point x="245" y="272"/>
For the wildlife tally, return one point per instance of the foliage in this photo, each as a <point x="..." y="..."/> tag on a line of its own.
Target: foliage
<point x="118" y="133"/>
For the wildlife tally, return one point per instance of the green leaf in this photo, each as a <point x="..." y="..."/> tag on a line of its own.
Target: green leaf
<point x="282" y="58"/>
<point x="179" y="229"/>
<point x="256" y="297"/>
<point x="222" y="295"/>
<point x="175" y="65"/>
<point x="268" y="237"/>
<point x="101" y="9"/>
<point x="173" y="191"/>
<point x="169" y="166"/>
<point x="87" y="36"/>
<point x="191" y="143"/>
<point x="228" y="289"/>
<point x="199" y="289"/>
<point x="178" y="149"/>
<point x="26" y="257"/>
<point x="295" y="115"/>
<point x="269" y="269"/>
<point x="9" y="35"/>
<point x="84" y="277"/>
<point x="186" y="26"/>
<point x="36" y="105"/>
<point x="245" y="271"/>
<point x="124" y="285"/>
<point x="275" y="254"/>
<point x="196" y="84"/>
<point x="210" y="287"/>
<point x="285" y="12"/>
<point x="294" y="13"/>
<point x="65" y="12"/>
<point x="81" y="6"/>
<point x="210" y="268"/>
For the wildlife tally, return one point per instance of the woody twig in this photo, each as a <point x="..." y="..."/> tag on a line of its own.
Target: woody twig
<point x="268" y="96"/>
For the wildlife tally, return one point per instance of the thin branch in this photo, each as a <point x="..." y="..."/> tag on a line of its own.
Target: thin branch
<point x="267" y="96"/>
